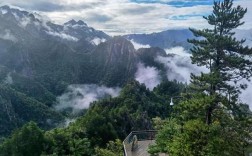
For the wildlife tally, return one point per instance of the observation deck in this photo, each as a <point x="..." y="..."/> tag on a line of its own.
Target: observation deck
<point x="138" y="142"/>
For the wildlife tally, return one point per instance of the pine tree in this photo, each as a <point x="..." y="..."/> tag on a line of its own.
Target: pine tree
<point x="210" y="121"/>
<point x="227" y="59"/>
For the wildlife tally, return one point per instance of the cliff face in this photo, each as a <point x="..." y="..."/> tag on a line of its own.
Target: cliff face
<point x="115" y="61"/>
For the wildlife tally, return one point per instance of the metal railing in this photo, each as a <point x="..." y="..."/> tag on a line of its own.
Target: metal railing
<point x="140" y="135"/>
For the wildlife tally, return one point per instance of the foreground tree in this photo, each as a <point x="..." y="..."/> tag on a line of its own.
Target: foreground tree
<point x="114" y="148"/>
<point x="27" y="141"/>
<point x="226" y="58"/>
<point x="212" y="122"/>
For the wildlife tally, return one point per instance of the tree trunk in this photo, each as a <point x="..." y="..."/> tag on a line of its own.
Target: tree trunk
<point x="209" y="115"/>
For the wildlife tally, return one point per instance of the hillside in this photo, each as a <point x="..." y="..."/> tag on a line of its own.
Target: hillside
<point x="40" y="59"/>
<point x="105" y="120"/>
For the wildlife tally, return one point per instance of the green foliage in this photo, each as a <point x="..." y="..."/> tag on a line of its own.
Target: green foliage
<point x="224" y="55"/>
<point x="168" y="89"/>
<point x="195" y="138"/>
<point x="105" y="120"/>
<point x="167" y="130"/>
<point x="17" y="109"/>
<point x="113" y="148"/>
<point x="110" y="119"/>
<point x="30" y="140"/>
<point x="27" y="141"/>
<point x="210" y="121"/>
<point x="32" y="89"/>
<point x="67" y="142"/>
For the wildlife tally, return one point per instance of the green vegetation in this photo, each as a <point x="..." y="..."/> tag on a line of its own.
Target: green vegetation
<point x="210" y="121"/>
<point x="114" y="148"/>
<point x="34" y="73"/>
<point x="106" y="121"/>
<point x="29" y="140"/>
<point x="18" y="108"/>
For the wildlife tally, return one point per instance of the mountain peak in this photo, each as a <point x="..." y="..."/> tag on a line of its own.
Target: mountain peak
<point x="119" y="46"/>
<point x="15" y="12"/>
<point x="5" y="7"/>
<point x="80" y="22"/>
<point x="72" y="22"/>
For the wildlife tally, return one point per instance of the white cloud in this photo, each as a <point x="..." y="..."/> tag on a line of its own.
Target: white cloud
<point x="247" y="18"/>
<point x="178" y="51"/>
<point x="24" y="21"/>
<point x="148" y="76"/>
<point x="117" y="17"/>
<point x="122" y="16"/>
<point x="246" y="94"/>
<point x="63" y="36"/>
<point x="8" y="79"/>
<point x="179" y="66"/>
<point x="7" y="35"/>
<point x="128" y="17"/>
<point x="3" y="11"/>
<point x="68" y="122"/>
<point x="245" y="34"/>
<point x="97" y="41"/>
<point x="138" y="45"/>
<point x="78" y="97"/>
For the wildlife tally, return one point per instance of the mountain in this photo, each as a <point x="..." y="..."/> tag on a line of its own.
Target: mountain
<point x="21" y="26"/>
<point x="40" y="59"/>
<point x="178" y="38"/>
<point x="41" y="50"/>
<point x="165" y="39"/>
<point x="113" y="57"/>
<point x="58" y="55"/>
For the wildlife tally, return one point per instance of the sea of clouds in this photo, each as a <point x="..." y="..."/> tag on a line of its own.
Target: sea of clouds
<point x="79" y="96"/>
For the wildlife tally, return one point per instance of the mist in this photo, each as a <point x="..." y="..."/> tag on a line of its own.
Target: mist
<point x="178" y="65"/>
<point x="245" y="96"/>
<point x="138" y="45"/>
<point x="79" y="96"/>
<point x="148" y="76"/>
<point x="63" y="36"/>
<point x="8" y="79"/>
<point x="97" y="41"/>
<point x="7" y="35"/>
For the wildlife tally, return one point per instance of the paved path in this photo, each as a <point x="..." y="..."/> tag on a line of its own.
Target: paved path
<point x="142" y="149"/>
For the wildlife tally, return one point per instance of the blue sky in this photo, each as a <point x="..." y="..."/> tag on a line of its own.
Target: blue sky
<point x="118" y="17"/>
<point x="177" y="3"/>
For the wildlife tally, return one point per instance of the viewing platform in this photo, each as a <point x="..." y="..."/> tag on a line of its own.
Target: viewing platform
<point x="138" y="142"/>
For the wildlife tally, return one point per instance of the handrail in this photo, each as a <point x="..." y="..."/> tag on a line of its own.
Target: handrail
<point x="124" y="146"/>
<point x="141" y="136"/>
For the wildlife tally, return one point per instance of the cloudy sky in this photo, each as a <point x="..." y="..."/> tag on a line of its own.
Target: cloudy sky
<point x="117" y="17"/>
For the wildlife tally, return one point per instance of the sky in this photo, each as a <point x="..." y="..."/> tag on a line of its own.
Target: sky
<point x="118" y="17"/>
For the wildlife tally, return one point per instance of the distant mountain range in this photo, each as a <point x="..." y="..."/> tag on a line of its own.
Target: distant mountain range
<point x="165" y="39"/>
<point x="178" y="38"/>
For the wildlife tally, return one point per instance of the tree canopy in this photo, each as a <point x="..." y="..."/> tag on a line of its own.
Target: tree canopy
<point x="210" y="121"/>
